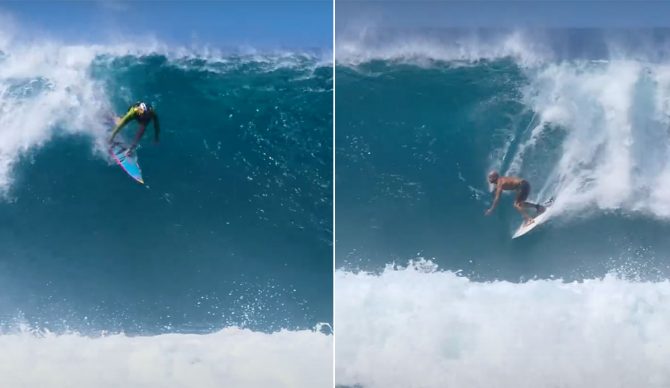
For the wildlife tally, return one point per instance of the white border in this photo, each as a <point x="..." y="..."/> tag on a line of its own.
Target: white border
<point x="334" y="224"/>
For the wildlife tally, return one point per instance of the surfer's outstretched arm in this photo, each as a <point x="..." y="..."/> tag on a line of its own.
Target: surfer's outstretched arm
<point x="125" y="120"/>
<point x="495" y="200"/>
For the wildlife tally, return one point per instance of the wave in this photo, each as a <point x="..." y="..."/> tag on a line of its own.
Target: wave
<point x="424" y="50"/>
<point x="420" y="326"/>
<point x="49" y="89"/>
<point x="230" y="357"/>
<point x="244" y="157"/>
<point x="613" y="119"/>
<point x="579" y="302"/>
<point x="528" y="47"/>
<point x="592" y="134"/>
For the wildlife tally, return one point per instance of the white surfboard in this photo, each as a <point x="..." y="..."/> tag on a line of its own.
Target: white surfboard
<point x="537" y="221"/>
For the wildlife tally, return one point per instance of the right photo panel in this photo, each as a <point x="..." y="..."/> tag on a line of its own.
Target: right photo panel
<point x="502" y="194"/>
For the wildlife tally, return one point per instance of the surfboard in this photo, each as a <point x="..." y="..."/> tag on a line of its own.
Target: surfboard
<point x="537" y="221"/>
<point x="128" y="163"/>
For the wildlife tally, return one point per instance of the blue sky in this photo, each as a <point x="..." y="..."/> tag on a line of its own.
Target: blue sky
<point x="539" y="13"/>
<point x="225" y="24"/>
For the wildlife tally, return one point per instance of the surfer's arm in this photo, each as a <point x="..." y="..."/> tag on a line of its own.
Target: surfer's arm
<point x="157" y="127"/>
<point x="125" y="120"/>
<point x="495" y="200"/>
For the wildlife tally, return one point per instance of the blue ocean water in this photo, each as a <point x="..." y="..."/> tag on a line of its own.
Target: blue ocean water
<point x="233" y="226"/>
<point x="428" y="290"/>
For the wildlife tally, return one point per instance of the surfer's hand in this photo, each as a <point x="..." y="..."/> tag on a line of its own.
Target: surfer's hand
<point x="488" y="212"/>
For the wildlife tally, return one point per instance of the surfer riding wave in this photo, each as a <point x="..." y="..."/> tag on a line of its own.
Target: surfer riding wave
<point x="522" y="188"/>
<point x="142" y="112"/>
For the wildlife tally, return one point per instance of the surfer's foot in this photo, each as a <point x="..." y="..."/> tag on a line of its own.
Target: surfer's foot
<point x="129" y="153"/>
<point x="528" y="222"/>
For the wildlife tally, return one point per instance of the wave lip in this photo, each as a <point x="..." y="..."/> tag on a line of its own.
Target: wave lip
<point x="529" y="47"/>
<point x="445" y="46"/>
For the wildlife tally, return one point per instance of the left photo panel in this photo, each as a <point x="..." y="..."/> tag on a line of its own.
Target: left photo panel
<point x="166" y="194"/>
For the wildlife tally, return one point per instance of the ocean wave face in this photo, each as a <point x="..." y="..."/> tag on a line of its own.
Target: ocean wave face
<point x="223" y="256"/>
<point x="421" y="119"/>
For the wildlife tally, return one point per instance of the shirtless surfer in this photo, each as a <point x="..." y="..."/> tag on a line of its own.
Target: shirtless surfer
<point x="522" y="188"/>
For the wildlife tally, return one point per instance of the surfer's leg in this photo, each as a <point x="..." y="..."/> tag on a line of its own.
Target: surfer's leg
<point x="519" y="207"/>
<point x="539" y="208"/>
<point x="520" y="200"/>
<point x="522" y="195"/>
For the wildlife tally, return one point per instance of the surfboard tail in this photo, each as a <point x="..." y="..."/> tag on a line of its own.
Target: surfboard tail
<point x="537" y="220"/>
<point x="128" y="164"/>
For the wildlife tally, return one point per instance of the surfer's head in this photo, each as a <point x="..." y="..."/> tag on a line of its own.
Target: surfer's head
<point x="493" y="177"/>
<point x="143" y="110"/>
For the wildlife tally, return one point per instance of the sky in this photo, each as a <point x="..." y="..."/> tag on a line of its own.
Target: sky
<point x="305" y="23"/>
<point x="224" y="24"/>
<point x="502" y="14"/>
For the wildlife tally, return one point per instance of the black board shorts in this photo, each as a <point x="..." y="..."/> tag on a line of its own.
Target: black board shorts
<point x="522" y="192"/>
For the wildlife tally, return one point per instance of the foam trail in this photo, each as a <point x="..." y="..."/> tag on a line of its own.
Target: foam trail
<point x="420" y="327"/>
<point x="615" y="153"/>
<point x="231" y="357"/>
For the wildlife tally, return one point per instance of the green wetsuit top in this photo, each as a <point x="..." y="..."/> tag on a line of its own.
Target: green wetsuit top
<point x="143" y="118"/>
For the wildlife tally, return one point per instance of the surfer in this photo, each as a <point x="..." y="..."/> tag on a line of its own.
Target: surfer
<point x="522" y="188"/>
<point x="142" y="112"/>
